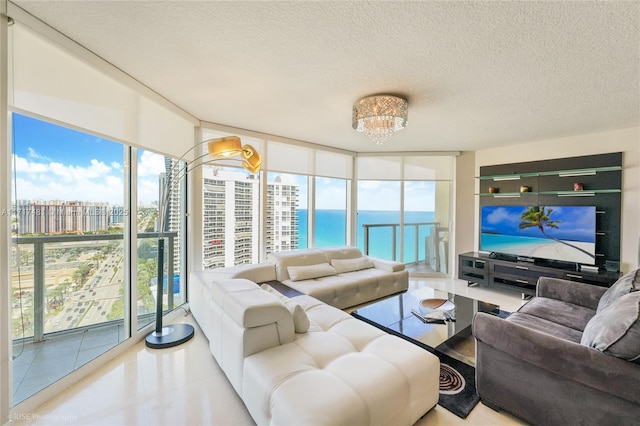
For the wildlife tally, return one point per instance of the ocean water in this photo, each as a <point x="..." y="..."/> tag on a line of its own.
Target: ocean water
<point x="331" y="229"/>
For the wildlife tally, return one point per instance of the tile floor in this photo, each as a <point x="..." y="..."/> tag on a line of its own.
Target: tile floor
<point x="37" y="365"/>
<point x="184" y="385"/>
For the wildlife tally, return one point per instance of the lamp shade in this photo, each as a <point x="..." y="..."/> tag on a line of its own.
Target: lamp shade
<point x="252" y="159"/>
<point x="224" y="147"/>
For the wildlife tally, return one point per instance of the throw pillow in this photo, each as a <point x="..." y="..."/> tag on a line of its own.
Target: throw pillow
<point x="616" y="329"/>
<point x="300" y="319"/>
<point x="299" y="273"/>
<point x="626" y="284"/>
<point x="350" y="265"/>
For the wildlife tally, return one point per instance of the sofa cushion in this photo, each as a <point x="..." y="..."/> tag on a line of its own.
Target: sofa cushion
<point x="545" y="326"/>
<point x="283" y="259"/>
<point x="350" y="265"/>
<point x="300" y="319"/>
<point x="309" y="272"/>
<point x="615" y="330"/>
<point x="626" y="284"/>
<point x="343" y="252"/>
<point x="559" y="312"/>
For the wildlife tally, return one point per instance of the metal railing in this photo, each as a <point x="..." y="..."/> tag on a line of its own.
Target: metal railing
<point x="40" y="268"/>
<point x="415" y="247"/>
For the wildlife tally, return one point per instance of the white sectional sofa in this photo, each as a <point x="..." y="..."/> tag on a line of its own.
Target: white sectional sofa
<point x="357" y="279"/>
<point x="342" y="276"/>
<point x="341" y="371"/>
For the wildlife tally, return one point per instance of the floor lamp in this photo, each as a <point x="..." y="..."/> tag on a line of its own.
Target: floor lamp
<point x="217" y="149"/>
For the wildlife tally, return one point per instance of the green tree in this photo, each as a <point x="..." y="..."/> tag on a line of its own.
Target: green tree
<point x="81" y="274"/>
<point x="540" y="217"/>
<point x="147" y="249"/>
<point x="147" y="269"/>
<point x="55" y="297"/>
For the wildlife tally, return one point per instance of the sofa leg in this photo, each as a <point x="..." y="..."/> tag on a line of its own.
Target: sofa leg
<point x="491" y="405"/>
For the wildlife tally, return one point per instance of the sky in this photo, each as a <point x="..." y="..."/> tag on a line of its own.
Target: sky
<point x="372" y="195"/>
<point x="57" y="163"/>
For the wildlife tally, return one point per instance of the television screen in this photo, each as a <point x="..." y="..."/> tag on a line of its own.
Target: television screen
<point x="564" y="233"/>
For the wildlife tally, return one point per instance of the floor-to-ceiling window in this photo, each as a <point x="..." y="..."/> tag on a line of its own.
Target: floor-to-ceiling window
<point x="160" y="209"/>
<point x="69" y="210"/>
<point x="378" y="221"/>
<point x="403" y="209"/>
<point x="230" y="217"/>
<point x="301" y="199"/>
<point x="419" y="219"/>
<point x="379" y="206"/>
<point x="80" y="268"/>
<point x="427" y="211"/>
<point x="231" y="206"/>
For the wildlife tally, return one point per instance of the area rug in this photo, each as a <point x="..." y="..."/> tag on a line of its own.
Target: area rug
<point x="457" y="386"/>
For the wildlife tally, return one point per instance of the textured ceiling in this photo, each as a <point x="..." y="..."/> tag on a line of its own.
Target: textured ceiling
<point x="476" y="74"/>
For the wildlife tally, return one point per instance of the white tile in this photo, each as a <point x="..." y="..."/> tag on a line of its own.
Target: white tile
<point x="185" y="386"/>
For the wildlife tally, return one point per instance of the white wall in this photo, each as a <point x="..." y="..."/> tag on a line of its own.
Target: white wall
<point x="621" y="140"/>
<point x="465" y="216"/>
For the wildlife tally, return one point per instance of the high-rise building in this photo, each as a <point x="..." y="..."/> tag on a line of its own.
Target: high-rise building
<point x="173" y="213"/>
<point x="231" y="218"/>
<point x="282" y="216"/>
<point x="57" y="216"/>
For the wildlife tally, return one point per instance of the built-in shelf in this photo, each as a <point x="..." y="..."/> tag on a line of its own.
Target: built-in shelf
<point x="514" y="176"/>
<point x="580" y="172"/>
<point x="587" y="193"/>
<point x="592" y="180"/>
<point x="560" y="173"/>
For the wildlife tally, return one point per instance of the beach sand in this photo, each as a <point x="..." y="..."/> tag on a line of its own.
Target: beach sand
<point x="555" y="250"/>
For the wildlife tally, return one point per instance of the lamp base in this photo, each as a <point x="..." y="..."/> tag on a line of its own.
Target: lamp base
<point x="172" y="335"/>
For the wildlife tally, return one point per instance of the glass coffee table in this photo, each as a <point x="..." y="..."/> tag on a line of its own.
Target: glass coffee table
<point x="394" y="315"/>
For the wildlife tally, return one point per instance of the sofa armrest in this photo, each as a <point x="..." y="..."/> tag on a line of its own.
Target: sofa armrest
<point x="386" y="265"/>
<point x="573" y="292"/>
<point x="563" y="358"/>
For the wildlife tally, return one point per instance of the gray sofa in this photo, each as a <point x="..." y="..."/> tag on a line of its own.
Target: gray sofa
<point x="571" y="355"/>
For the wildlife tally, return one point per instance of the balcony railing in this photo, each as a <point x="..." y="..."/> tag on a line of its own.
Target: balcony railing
<point x="419" y="234"/>
<point x="111" y="274"/>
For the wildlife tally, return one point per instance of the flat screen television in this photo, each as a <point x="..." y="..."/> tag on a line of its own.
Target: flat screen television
<point x="560" y="233"/>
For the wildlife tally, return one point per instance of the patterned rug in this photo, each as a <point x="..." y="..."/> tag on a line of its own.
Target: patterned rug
<point x="457" y="384"/>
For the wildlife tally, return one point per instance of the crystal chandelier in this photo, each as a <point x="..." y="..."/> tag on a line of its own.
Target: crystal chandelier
<point x="379" y="116"/>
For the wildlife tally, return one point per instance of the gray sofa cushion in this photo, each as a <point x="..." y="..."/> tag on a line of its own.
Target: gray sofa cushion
<point x="626" y="284"/>
<point x="615" y="330"/>
<point x="545" y="326"/>
<point x="558" y="312"/>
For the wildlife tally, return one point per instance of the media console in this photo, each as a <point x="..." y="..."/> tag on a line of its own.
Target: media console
<point x="480" y="268"/>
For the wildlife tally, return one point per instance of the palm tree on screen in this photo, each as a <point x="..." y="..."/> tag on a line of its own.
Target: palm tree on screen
<point x="540" y="217"/>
